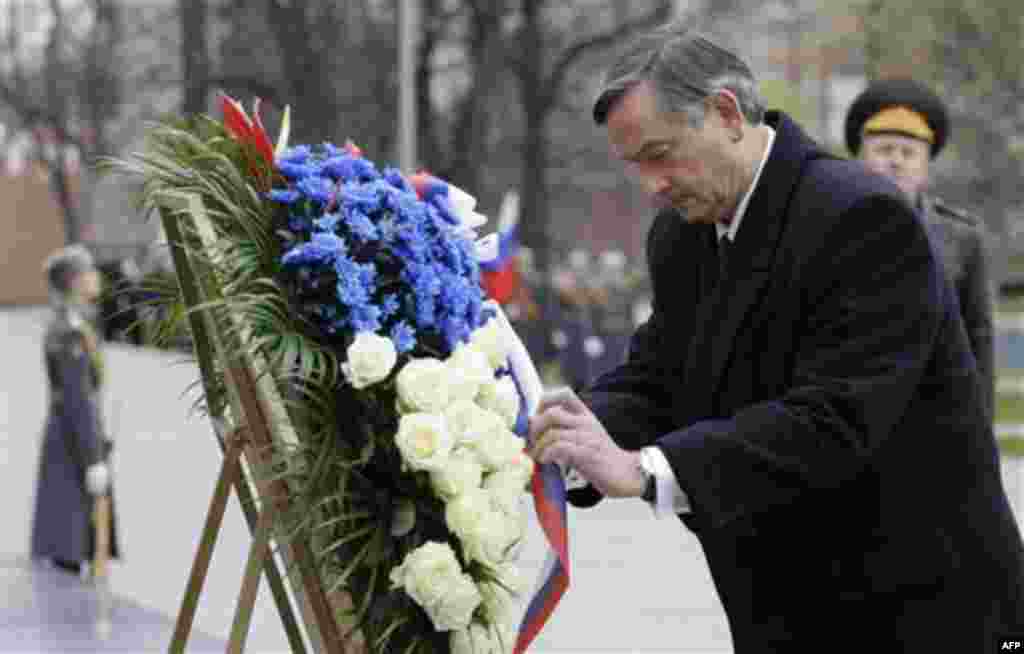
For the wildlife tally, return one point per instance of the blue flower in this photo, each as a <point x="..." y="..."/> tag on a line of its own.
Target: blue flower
<point x="296" y="154"/>
<point x="327" y="222"/>
<point x="455" y="294"/>
<point x="365" y="169"/>
<point x="342" y="167"/>
<point x="331" y="150"/>
<point x="408" y="209"/>
<point x="455" y="331"/>
<point x="425" y="285"/>
<point x="317" y="189"/>
<point x="443" y="209"/>
<point x="356" y="281"/>
<point x="323" y="248"/>
<point x="365" y="318"/>
<point x="395" y="178"/>
<point x="403" y="336"/>
<point x="361" y="226"/>
<point x="389" y="305"/>
<point x="298" y="170"/>
<point x="284" y="195"/>
<point x="359" y="197"/>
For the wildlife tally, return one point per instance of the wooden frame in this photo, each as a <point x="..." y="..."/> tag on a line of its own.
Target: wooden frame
<point x="257" y="420"/>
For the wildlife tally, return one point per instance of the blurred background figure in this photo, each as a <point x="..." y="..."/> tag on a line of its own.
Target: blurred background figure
<point x="612" y="293"/>
<point x="119" y="304"/>
<point x="574" y="345"/>
<point x="74" y="464"/>
<point x="897" y="127"/>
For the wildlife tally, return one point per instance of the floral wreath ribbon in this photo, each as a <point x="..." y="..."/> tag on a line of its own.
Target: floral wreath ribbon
<point x="549" y="495"/>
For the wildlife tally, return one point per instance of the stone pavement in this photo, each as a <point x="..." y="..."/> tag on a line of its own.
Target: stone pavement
<point x="622" y="597"/>
<point x="45" y="610"/>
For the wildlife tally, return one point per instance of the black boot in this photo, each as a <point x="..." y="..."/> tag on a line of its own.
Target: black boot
<point x="74" y="567"/>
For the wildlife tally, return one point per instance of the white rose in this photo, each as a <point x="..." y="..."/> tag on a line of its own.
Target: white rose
<point x="491" y="340"/>
<point x="480" y="639"/>
<point x="470" y="423"/>
<point x="370" y="359"/>
<point x="456" y="607"/>
<point x="424" y="385"/>
<point x="463" y="514"/>
<point x="498" y="449"/>
<point x="522" y="467"/>
<point x="491" y="540"/>
<point x="424" y="440"/>
<point x="470" y="370"/>
<point x="507" y="488"/>
<point x="502" y="397"/>
<point x="497" y="602"/>
<point x="460" y="473"/>
<point x="426" y="572"/>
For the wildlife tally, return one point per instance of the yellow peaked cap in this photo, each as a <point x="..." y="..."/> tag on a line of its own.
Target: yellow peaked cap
<point x="902" y="120"/>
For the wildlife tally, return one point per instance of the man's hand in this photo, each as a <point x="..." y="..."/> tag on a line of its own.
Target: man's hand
<point x="564" y="431"/>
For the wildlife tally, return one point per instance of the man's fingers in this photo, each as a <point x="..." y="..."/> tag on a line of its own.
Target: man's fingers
<point x="564" y="397"/>
<point x="548" y="438"/>
<point x="557" y="450"/>
<point x="554" y="417"/>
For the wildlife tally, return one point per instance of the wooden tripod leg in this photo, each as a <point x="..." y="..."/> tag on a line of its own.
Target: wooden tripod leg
<point x="229" y="472"/>
<point x="101" y="527"/>
<point x="258" y="553"/>
<point x="102" y="518"/>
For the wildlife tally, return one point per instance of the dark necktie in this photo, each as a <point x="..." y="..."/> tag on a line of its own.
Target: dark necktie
<point x="724" y="244"/>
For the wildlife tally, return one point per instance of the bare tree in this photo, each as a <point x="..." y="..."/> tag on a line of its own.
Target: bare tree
<point x="58" y="100"/>
<point x="542" y="71"/>
<point x="195" y="55"/>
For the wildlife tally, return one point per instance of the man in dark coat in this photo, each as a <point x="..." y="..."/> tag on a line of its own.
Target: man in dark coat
<point x="897" y="127"/>
<point x="74" y="461"/>
<point x="803" y="395"/>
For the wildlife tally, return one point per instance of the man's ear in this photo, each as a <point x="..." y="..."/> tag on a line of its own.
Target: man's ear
<point x="727" y="106"/>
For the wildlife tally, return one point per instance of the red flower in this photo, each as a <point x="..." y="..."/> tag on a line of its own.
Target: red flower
<point x="246" y="130"/>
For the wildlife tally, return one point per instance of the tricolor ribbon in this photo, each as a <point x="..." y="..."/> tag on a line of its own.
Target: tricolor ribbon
<point x="549" y="495"/>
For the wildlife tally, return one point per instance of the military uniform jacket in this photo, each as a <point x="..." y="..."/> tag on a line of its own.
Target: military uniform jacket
<point x="73" y="440"/>
<point x="820" y="408"/>
<point x="960" y="239"/>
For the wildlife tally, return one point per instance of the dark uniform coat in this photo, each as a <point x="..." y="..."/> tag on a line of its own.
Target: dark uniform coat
<point x="820" y="408"/>
<point x="960" y="239"/>
<point x="73" y="440"/>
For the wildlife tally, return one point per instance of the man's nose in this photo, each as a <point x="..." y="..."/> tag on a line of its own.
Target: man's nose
<point x="656" y="185"/>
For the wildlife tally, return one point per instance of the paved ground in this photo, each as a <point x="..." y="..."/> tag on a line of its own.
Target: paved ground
<point x="166" y="461"/>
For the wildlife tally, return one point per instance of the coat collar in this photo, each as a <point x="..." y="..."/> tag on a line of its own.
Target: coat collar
<point x="720" y="317"/>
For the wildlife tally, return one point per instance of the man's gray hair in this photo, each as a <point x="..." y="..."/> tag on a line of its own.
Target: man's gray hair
<point x="684" y="67"/>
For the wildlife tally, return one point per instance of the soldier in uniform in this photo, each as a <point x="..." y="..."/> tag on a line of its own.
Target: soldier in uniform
<point x="74" y="460"/>
<point x="897" y="127"/>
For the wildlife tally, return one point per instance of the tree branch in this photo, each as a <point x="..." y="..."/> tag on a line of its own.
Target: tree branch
<point x="597" y="42"/>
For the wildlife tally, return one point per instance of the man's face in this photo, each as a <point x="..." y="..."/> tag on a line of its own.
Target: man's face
<point x="903" y="159"/>
<point x="697" y="170"/>
<point x="86" y="286"/>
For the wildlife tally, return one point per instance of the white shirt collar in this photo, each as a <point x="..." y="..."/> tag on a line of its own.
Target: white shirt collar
<point x="729" y="231"/>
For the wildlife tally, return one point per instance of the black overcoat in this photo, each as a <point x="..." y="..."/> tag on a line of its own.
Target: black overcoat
<point x="820" y="407"/>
